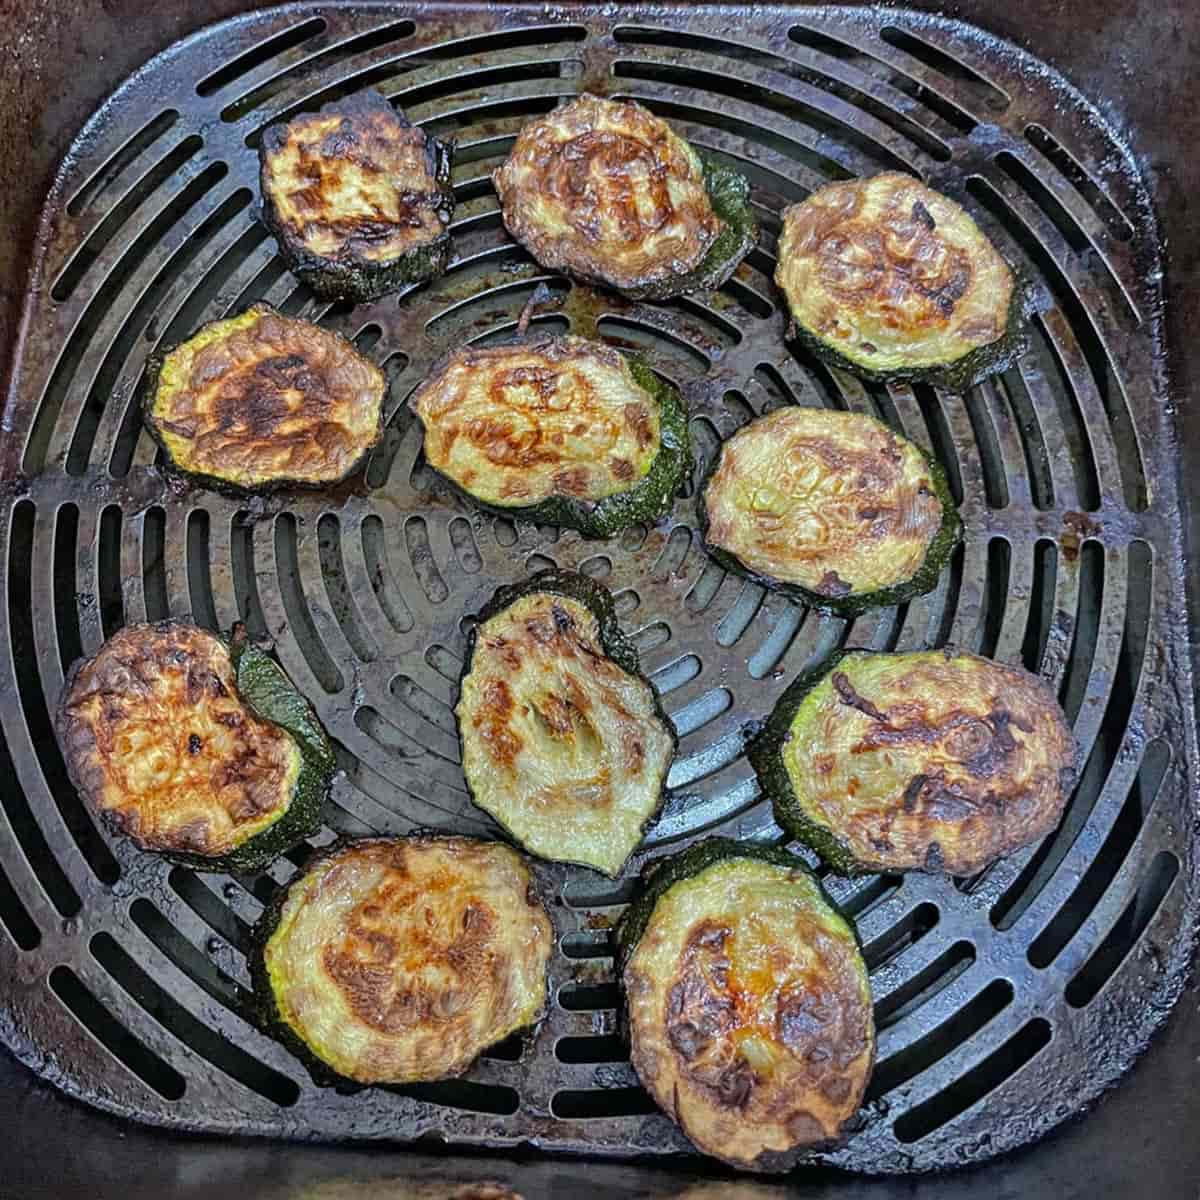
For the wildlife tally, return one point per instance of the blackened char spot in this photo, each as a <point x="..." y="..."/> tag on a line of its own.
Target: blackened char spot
<point x="194" y="743"/>
<point x="848" y="696"/>
<point x="922" y="214"/>
<point x="912" y="793"/>
<point x="832" y="584"/>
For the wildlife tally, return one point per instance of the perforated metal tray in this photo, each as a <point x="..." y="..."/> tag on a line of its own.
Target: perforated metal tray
<point x="1005" y="1002"/>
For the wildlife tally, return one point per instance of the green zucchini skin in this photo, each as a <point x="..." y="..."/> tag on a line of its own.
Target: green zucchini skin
<point x="958" y="376"/>
<point x="765" y="753"/>
<point x="617" y="645"/>
<point x="650" y="498"/>
<point x="360" y="279"/>
<point x="666" y="872"/>
<point x="924" y="580"/>
<point x="729" y="194"/>
<point x="264" y="1010"/>
<point x="268" y="692"/>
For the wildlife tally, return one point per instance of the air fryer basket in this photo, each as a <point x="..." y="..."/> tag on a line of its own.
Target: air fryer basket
<point x="1006" y="1002"/>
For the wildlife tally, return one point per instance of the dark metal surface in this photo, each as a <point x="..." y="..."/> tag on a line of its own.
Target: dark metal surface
<point x="1067" y="461"/>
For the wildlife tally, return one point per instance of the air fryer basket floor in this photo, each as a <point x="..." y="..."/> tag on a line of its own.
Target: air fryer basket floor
<point x="1005" y="1002"/>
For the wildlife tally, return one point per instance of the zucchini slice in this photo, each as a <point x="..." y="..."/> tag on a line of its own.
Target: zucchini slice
<point x="358" y="198"/>
<point x="260" y="401"/>
<point x="607" y="192"/>
<point x="561" y="431"/>
<point x="931" y="761"/>
<point x="398" y="960"/>
<point x="749" y="1005"/>
<point x="893" y="281"/>
<point x="195" y="747"/>
<point x="832" y="508"/>
<point x="563" y="742"/>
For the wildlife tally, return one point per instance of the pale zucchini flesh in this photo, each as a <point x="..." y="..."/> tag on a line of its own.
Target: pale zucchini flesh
<point x="926" y="761"/>
<point x="833" y="507"/>
<point x="562" y="744"/>
<point x="892" y="280"/>
<point x="398" y="960"/>
<point x="749" y="1004"/>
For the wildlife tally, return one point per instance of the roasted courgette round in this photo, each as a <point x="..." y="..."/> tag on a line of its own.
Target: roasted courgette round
<point x="261" y="401"/>
<point x="893" y="281"/>
<point x="832" y="508"/>
<point x="358" y="198"/>
<point x="194" y="746"/>
<point x="398" y="960"/>
<point x="930" y="761"/>
<point x="749" y="1005"/>
<point x="607" y="192"/>
<point x="563" y="742"/>
<point x="562" y="431"/>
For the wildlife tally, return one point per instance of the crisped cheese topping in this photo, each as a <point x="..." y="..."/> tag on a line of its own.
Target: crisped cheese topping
<point x="892" y="274"/>
<point x="159" y="741"/>
<point x="833" y="502"/>
<point x="401" y="959"/>
<point x="608" y="191"/>
<point x="514" y="425"/>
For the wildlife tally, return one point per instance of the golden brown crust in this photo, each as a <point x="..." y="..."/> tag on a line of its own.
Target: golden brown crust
<point x="353" y="183"/>
<point x="401" y="959"/>
<point x="750" y="1017"/>
<point x="263" y="398"/>
<point x="560" y="743"/>
<point x="160" y="744"/>
<point x="833" y="502"/>
<point x="515" y="425"/>
<point x="607" y="191"/>
<point x="931" y="762"/>
<point x="892" y="274"/>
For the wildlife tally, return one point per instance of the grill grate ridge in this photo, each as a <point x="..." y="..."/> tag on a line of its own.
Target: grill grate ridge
<point x="983" y="986"/>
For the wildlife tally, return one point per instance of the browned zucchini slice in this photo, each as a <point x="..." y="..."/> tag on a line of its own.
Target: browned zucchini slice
<point x="396" y="960"/>
<point x="833" y="508"/>
<point x="563" y="431"/>
<point x="608" y="192"/>
<point x="930" y="761"/>
<point x="749" y="1005"/>
<point x="894" y="281"/>
<point x="262" y="400"/>
<point x="358" y="199"/>
<point x="194" y="747"/>
<point x="562" y="741"/>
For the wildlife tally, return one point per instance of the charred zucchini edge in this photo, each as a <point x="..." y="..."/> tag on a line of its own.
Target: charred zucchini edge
<point x="363" y="280"/>
<point x="957" y="376"/>
<point x="615" y="643"/>
<point x="729" y="194"/>
<point x="765" y="754"/>
<point x="650" y="498"/>
<point x="923" y="580"/>
<point x="663" y="874"/>
<point x="215" y="483"/>
<point x="265" y="1008"/>
<point x="271" y="696"/>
